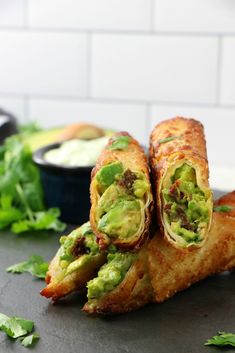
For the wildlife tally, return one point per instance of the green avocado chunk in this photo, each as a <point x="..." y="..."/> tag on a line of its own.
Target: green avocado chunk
<point x="122" y="197"/>
<point x="107" y="175"/>
<point x="185" y="205"/>
<point x="140" y="187"/>
<point x="111" y="194"/>
<point x="110" y="275"/>
<point x="122" y="220"/>
<point x="68" y="244"/>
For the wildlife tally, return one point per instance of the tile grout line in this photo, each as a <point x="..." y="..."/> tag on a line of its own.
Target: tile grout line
<point x="113" y="31"/>
<point x="26" y="108"/>
<point x="119" y="101"/>
<point x="219" y="69"/>
<point x="147" y="122"/>
<point x="89" y="65"/>
<point x="152" y="15"/>
<point x="26" y="14"/>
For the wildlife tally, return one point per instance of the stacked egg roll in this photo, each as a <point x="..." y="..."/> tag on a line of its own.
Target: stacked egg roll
<point x="128" y="281"/>
<point x="121" y="197"/>
<point x="178" y="160"/>
<point x="121" y="262"/>
<point x="120" y="218"/>
<point x="123" y="284"/>
<point x="172" y="270"/>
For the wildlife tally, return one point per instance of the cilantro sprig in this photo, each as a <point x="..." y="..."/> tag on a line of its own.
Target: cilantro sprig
<point x="223" y="208"/>
<point x="35" y="265"/>
<point x="17" y="327"/>
<point x="222" y="339"/>
<point x="168" y="139"/>
<point x="119" y="143"/>
<point x="30" y="340"/>
<point x="21" y="195"/>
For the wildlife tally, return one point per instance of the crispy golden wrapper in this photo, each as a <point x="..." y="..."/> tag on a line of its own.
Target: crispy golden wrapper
<point x="172" y="270"/>
<point x="59" y="286"/>
<point x="131" y="294"/>
<point x="63" y="280"/>
<point x="173" y="143"/>
<point x="133" y="159"/>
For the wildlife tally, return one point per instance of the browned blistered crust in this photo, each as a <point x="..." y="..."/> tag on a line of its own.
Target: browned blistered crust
<point x="133" y="158"/>
<point x="172" y="270"/>
<point x="190" y="145"/>
<point x="74" y="282"/>
<point x="134" y="292"/>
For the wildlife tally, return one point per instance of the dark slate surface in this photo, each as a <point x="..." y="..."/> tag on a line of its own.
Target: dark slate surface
<point x="180" y="325"/>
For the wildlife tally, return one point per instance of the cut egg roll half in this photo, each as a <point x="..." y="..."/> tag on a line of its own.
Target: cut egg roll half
<point x="172" y="270"/>
<point x="178" y="159"/>
<point x="122" y="285"/>
<point x="75" y="263"/>
<point x="121" y="196"/>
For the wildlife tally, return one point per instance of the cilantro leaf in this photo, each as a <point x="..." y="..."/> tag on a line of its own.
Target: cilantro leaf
<point x="223" y="339"/>
<point x="35" y="265"/>
<point x="30" y="340"/>
<point x="8" y="216"/>
<point x="223" y="208"/>
<point x="42" y="220"/>
<point x="168" y="139"/>
<point x="14" y="326"/>
<point x="30" y="128"/>
<point x="8" y="213"/>
<point x="27" y="325"/>
<point x="119" y="143"/>
<point x="21" y="195"/>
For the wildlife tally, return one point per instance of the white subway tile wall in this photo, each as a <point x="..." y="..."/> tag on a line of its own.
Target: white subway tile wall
<point x="12" y="13"/>
<point x="228" y="71"/>
<point x="124" y="64"/>
<point x="208" y="16"/>
<point x="43" y="63"/>
<point x="154" y="68"/>
<point x="91" y="14"/>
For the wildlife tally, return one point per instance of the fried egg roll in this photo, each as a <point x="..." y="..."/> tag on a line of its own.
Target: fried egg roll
<point x="172" y="270"/>
<point x="122" y="285"/>
<point x="178" y="159"/>
<point x="76" y="262"/>
<point x="121" y="196"/>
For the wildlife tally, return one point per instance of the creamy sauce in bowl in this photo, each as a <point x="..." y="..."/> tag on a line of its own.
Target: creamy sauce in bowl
<point x="77" y="153"/>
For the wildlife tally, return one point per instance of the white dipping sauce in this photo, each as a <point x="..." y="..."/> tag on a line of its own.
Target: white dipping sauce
<point x="77" y="153"/>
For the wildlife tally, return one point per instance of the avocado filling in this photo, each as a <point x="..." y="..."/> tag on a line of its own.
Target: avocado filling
<point x="120" y="211"/>
<point x="186" y="206"/>
<point x="77" y="248"/>
<point x="110" y="275"/>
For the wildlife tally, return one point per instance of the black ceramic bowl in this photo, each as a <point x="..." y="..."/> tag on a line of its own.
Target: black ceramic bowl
<point x="8" y="125"/>
<point x="65" y="187"/>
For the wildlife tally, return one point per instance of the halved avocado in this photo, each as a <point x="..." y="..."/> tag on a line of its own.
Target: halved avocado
<point x="43" y="138"/>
